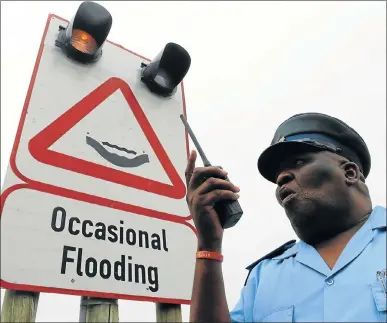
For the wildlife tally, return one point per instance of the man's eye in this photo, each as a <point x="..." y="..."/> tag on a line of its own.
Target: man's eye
<point x="299" y="162"/>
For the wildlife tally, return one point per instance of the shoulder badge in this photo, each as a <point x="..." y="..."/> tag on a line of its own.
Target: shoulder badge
<point x="276" y="252"/>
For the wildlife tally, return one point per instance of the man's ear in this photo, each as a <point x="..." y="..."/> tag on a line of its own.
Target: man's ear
<point x="352" y="173"/>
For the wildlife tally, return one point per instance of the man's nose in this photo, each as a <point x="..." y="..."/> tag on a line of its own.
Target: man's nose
<point x="284" y="177"/>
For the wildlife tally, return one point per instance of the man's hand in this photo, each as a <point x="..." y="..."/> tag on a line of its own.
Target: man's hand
<point x="205" y="187"/>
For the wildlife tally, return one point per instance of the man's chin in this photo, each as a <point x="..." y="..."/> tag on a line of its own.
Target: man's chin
<point x="309" y="227"/>
<point x="302" y="216"/>
<point x="299" y="208"/>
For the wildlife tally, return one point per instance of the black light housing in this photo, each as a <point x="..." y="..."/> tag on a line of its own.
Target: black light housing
<point x="84" y="36"/>
<point x="167" y="70"/>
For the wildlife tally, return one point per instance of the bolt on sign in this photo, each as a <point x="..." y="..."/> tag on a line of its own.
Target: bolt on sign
<point x="93" y="202"/>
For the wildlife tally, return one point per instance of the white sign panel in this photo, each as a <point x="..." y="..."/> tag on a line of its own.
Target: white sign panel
<point x="64" y="244"/>
<point x="97" y="129"/>
<point x="94" y="198"/>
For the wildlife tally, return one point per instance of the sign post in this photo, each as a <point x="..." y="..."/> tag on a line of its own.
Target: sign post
<point x="168" y="312"/>
<point x="19" y="306"/>
<point x="96" y="183"/>
<point x="98" y="310"/>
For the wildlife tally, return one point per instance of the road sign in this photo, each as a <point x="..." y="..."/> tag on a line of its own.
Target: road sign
<point x="40" y="144"/>
<point x="58" y="85"/>
<point x="69" y="246"/>
<point x="101" y="155"/>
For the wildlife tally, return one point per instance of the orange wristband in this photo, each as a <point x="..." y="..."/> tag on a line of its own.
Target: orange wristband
<point x="209" y="255"/>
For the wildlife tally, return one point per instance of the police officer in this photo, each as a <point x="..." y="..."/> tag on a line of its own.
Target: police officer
<point x="337" y="270"/>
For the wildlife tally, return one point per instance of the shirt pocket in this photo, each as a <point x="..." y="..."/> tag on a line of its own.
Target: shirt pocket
<point x="282" y="314"/>
<point x="380" y="298"/>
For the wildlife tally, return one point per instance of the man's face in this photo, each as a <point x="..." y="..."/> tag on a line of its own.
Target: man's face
<point x="313" y="191"/>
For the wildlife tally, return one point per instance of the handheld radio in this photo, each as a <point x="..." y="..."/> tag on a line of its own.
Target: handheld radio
<point x="229" y="211"/>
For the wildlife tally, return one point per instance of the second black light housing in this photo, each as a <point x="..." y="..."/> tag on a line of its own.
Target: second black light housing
<point x="84" y="36"/>
<point x="167" y="70"/>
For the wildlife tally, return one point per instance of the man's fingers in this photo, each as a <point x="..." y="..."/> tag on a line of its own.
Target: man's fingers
<point x="218" y="195"/>
<point x="201" y="174"/>
<point x="190" y="166"/>
<point x="213" y="183"/>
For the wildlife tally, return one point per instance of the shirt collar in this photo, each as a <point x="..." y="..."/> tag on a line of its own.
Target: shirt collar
<point x="377" y="220"/>
<point x="289" y="253"/>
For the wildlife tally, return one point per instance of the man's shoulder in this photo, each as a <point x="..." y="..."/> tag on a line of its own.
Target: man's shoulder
<point x="272" y="254"/>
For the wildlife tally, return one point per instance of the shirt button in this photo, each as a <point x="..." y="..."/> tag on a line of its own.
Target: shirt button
<point x="330" y="281"/>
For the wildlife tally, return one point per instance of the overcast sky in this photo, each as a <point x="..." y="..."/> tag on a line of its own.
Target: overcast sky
<point x="254" y="64"/>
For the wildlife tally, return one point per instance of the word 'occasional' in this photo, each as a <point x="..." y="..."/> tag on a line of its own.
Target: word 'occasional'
<point x="101" y="231"/>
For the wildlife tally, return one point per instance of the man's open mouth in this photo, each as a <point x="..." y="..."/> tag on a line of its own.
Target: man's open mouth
<point x="286" y="194"/>
<point x="115" y="159"/>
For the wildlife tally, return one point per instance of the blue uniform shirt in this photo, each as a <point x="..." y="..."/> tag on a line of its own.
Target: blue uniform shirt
<point x="298" y="286"/>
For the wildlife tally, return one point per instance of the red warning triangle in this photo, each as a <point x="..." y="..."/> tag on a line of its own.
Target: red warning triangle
<point x="39" y="145"/>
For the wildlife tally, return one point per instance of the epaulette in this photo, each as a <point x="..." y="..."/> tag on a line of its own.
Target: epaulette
<point x="276" y="252"/>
